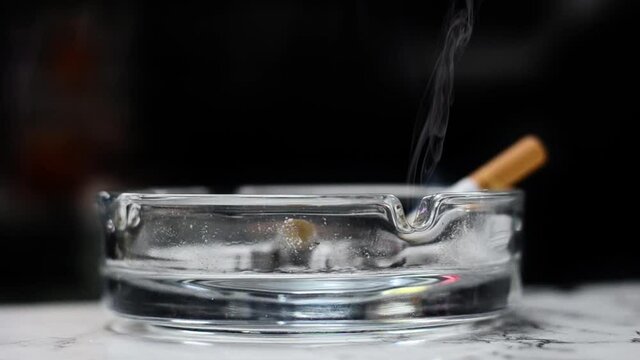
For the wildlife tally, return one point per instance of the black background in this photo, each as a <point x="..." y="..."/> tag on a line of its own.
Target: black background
<point x="234" y="92"/>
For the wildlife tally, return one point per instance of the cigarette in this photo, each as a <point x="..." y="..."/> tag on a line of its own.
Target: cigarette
<point x="298" y="232"/>
<point x="502" y="172"/>
<point x="507" y="168"/>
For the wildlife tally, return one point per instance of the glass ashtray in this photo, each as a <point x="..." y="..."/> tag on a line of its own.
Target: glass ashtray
<point x="290" y="265"/>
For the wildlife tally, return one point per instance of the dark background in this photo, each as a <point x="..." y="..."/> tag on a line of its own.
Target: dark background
<point x="121" y="94"/>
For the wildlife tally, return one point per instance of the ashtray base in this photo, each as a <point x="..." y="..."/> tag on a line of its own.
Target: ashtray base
<point x="323" y="333"/>
<point x="366" y="305"/>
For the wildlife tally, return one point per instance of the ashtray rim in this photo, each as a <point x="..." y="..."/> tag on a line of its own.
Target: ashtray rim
<point x="423" y="217"/>
<point x="196" y="199"/>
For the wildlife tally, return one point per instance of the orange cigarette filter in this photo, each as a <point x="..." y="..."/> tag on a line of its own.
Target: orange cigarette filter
<point x="511" y="165"/>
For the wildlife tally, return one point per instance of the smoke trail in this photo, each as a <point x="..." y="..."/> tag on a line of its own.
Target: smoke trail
<point x="436" y="101"/>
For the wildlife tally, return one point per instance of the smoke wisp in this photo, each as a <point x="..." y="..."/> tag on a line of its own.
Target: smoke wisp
<point x="433" y="111"/>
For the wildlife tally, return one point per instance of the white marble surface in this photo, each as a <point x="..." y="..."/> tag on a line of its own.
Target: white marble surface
<point x="592" y="322"/>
